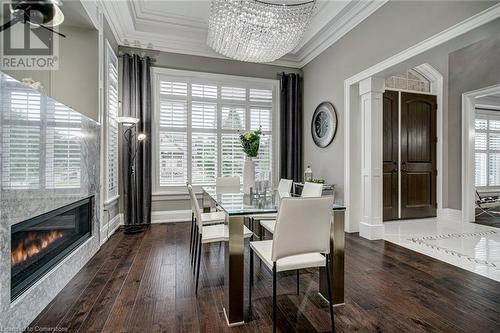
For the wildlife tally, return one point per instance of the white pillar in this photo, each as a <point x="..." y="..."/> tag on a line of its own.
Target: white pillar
<point x="370" y="92"/>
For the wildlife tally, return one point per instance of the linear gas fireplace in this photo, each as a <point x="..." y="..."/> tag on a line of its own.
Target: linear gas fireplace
<point x="40" y="243"/>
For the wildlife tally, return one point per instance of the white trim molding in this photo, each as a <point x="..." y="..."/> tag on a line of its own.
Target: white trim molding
<point x="436" y="80"/>
<point x="351" y="102"/>
<point x="371" y="107"/>
<point x="171" y="216"/>
<point x="468" y="134"/>
<point x="449" y="214"/>
<point x="109" y="229"/>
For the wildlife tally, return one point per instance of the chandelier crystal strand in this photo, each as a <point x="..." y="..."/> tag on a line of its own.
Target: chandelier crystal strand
<point x="255" y="31"/>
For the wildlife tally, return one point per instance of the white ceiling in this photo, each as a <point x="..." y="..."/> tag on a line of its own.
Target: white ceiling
<point x="181" y="26"/>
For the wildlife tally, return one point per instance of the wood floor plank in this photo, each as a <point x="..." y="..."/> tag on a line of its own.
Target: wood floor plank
<point x="145" y="284"/>
<point x="124" y="303"/>
<point x="58" y="308"/>
<point x="87" y="300"/>
<point x="99" y="313"/>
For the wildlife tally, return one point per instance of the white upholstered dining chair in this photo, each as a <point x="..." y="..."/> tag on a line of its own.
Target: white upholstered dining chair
<point x="206" y="234"/>
<point x="284" y="191"/>
<point x="205" y="218"/>
<point x="301" y="240"/>
<point x="310" y="190"/>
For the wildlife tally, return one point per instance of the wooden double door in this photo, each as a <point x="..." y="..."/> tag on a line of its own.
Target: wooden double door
<point x="409" y="155"/>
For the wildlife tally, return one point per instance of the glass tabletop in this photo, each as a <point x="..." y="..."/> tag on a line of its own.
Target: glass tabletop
<point x="234" y="202"/>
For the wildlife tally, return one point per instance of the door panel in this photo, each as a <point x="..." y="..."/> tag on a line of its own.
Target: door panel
<point x="390" y="155"/>
<point x="418" y="155"/>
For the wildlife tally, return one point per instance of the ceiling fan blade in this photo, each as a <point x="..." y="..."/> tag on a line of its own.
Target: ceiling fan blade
<point x="9" y="24"/>
<point x="53" y="31"/>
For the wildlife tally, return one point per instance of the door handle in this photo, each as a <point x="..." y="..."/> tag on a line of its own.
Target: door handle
<point x="395" y="170"/>
<point x="403" y="167"/>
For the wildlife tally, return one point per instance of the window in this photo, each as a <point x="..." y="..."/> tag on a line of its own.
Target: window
<point x="487" y="149"/>
<point x="31" y="121"/>
<point x="198" y="119"/>
<point x="111" y="124"/>
<point x="410" y="80"/>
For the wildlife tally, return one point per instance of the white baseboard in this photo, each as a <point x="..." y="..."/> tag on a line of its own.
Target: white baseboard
<point x="171" y="216"/>
<point x="110" y="228"/>
<point x="371" y="231"/>
<point x="450" y="214"/>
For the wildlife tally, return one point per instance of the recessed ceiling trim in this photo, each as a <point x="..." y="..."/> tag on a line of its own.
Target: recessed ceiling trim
<point x="133" y="23"/>
<point x="141" y="12"/>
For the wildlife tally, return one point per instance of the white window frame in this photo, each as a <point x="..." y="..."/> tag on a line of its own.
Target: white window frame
<point x="487" y="115"/>
<point x="218" y="79"/>
<point x="110" y="194"/>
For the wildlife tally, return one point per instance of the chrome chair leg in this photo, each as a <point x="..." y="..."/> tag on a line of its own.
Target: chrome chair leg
<point x="250" y="284"/>
<point x="192" y="234"/>
<point x="330" y="298"/>
<point x="198" y="265"/>
<point x="297" y="281"/>
<point x="274" y="297"/>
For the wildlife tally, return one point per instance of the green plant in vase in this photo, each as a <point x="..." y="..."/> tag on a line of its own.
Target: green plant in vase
<point x="250" y="142"/>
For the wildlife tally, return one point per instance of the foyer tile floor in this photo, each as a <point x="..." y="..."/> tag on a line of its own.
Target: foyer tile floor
<point x="470" y="246"/>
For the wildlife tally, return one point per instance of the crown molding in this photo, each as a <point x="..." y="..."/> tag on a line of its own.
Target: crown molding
<point x="164" y="19"/>
<point x="135" y="24"/>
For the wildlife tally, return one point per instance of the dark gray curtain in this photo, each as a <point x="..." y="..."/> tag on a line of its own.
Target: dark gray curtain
<point x="291" y="127"/>
<point x="136" y="102"/>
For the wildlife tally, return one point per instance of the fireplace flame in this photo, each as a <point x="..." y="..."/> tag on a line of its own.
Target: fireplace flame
<point x="32" y="244"/>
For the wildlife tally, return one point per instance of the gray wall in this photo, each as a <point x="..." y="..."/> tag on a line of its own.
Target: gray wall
<point x="485" y="55"/>
<point x="391" y="29"/>
<point x="75" y="82"/>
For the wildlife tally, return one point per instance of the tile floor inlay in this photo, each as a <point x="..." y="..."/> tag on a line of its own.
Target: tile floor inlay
<point x="426" y="241"/>
<point x="470" y="246"/>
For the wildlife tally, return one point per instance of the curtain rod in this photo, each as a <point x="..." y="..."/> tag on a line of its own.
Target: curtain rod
<point x="139" y="51"/>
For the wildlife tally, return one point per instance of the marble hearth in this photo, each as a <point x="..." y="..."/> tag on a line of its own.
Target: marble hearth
<point x="49" y="159"/>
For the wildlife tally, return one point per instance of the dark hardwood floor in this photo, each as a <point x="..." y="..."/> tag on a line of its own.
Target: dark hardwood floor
<point x="143" y="283"/>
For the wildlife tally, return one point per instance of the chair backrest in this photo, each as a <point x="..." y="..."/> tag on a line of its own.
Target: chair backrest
<point x="285" y="187"/>
<point x="312" y="190"/>
<point x="195" y="205"/>
<point x="228" y="181"/>
<point x="302" y="226"/>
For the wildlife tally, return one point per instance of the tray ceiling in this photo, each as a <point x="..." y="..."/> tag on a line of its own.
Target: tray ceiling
<point x="181" y="26"/>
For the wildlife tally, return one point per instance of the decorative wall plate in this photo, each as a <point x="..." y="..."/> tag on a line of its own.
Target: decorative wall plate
<point x="324" y="124"/>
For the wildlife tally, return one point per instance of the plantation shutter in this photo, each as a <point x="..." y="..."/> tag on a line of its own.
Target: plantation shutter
<point x="199" y="121"/>
<point x="112" y="123"/>
<point x="487" y="150"/>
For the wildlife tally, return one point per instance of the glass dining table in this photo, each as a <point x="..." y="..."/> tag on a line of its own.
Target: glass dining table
<point x="237" y="206"/>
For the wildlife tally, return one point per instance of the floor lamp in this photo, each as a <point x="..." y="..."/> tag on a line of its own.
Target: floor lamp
<point x="133" y="140"/>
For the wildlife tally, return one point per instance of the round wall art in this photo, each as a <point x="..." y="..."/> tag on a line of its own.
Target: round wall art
<point x="324" y="124"/>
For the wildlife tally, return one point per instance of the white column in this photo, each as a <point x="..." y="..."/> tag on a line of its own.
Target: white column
<point x="370" y="92"/>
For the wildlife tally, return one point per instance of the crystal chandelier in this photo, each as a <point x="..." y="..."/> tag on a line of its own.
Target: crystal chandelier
<point x="257" y="31"/>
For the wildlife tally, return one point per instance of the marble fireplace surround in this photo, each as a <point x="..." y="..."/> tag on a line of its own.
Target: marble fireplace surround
<point x="20" y="204"/>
